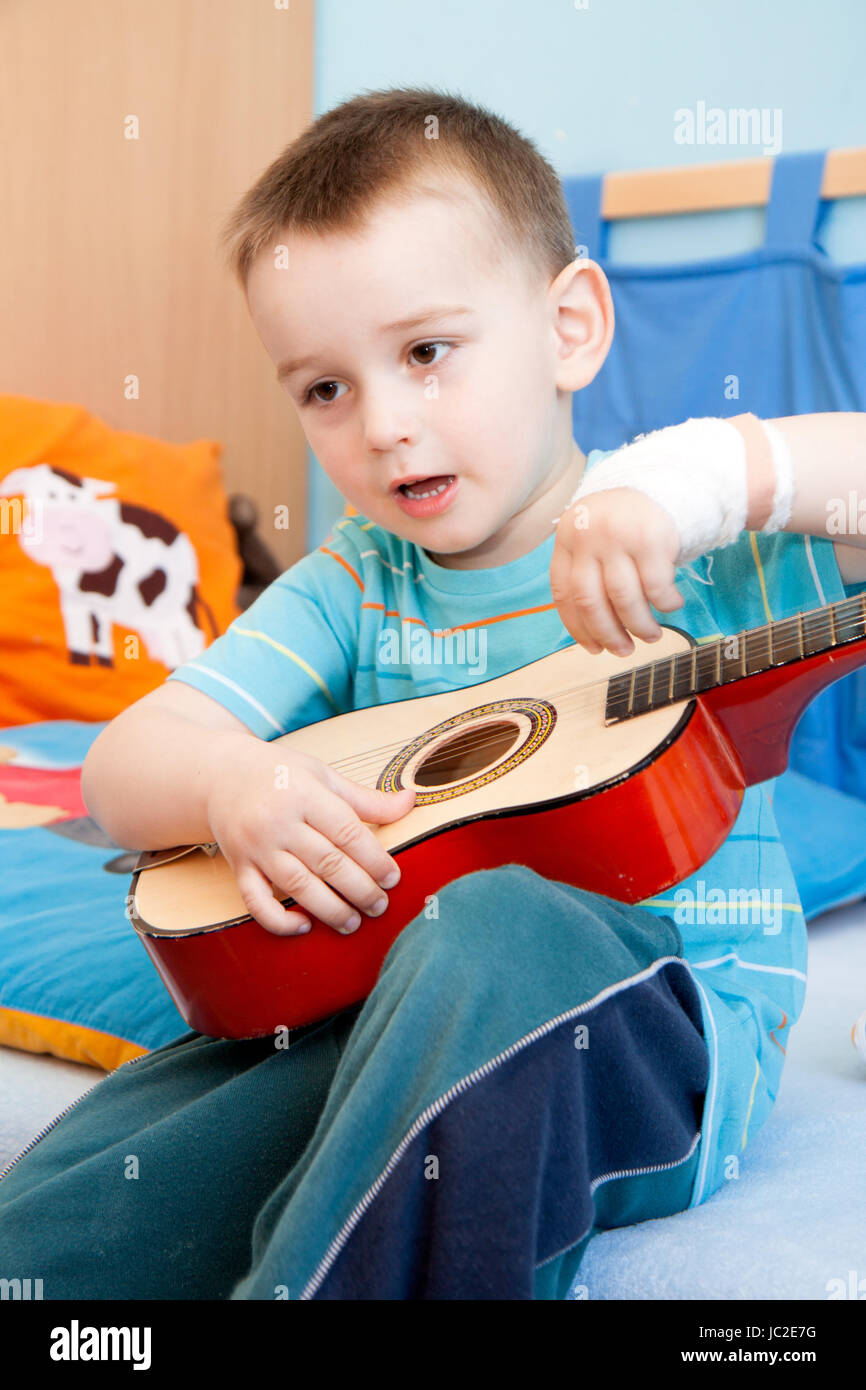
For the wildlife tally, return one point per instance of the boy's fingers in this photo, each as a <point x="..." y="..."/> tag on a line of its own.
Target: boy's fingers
<point x="561" y="565"/>
<point x="380" y="808"/>
<point x="294" y="877"/>
<point x="261" y="904"/>
<point x="622" y="583"/>
<point x="571" y="614"/>
<point x="582" y="605"/>
<point x="657" y="576"/>
<point x="339" y="818"/>
<point x="340" y="887"/>
<point x="665" y="596"/>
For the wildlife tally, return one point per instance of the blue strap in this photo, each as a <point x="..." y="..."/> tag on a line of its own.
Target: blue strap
<point x="583" y="196"/>
<point x="795" y="198"/>
<point x="793" y="211"/>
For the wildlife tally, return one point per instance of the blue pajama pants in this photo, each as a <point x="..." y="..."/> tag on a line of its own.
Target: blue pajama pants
<point x="529" y="1069"/>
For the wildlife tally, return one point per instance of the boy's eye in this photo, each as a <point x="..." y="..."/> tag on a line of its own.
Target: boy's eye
<point x="313" y="393"/>
<point x="321" y="386"/>
<point x="427" y="347"/>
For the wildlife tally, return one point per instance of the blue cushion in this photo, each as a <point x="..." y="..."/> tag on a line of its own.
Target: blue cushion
<point x="75" y="980"/>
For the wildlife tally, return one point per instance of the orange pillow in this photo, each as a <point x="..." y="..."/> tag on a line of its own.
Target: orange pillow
<point x="118" y="561"/>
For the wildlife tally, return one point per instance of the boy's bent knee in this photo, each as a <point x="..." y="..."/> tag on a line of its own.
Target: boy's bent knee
<point x="505" y="921"/>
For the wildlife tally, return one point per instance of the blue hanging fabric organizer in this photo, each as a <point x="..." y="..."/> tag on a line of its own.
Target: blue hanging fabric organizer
<point x="786" y="328"/>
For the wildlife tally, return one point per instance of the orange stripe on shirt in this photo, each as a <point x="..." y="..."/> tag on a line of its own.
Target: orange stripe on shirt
<point x="779" y="1025"/>
<point x="346" y="566"/>
<point x="463" y="627"/>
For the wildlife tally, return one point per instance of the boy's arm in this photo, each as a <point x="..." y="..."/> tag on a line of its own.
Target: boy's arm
<point x="681" y="491"/>
<point x="282" y="664"/>
<point x="145" y="777"/>
<point x="828" y="453"/>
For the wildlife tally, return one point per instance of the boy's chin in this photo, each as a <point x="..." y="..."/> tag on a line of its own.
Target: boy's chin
<point x="436" y="534"/>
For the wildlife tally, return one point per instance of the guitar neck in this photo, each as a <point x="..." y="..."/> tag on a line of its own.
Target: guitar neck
<point x="735" y="658"/>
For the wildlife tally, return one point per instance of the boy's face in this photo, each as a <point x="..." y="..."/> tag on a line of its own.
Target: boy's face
<point x="467" y="396"/>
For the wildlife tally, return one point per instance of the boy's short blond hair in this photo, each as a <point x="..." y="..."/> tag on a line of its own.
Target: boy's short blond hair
<point x="395" y="144"/>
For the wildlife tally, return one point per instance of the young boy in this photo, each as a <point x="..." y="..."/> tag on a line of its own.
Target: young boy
<point x="536" y="1062"/>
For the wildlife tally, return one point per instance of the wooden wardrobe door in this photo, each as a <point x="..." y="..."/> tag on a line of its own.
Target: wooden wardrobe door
<point x="110" y="268"/>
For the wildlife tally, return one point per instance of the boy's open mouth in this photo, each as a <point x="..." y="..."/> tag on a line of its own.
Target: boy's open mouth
<point x="426" y="487"/>
<point x="423" y="497"/>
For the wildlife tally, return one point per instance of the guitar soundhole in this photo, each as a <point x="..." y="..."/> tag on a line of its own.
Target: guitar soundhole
<point x="469" y="750"/>
<point x="466" y="753"/>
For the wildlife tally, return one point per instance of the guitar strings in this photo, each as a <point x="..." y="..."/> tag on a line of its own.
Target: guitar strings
<point x="565" y="703"/>
<point x="472" y="742"/>
<point x="371" y="759"/>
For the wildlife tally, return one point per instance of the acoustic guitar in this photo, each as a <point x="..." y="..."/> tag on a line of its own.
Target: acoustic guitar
<point x="621" y="775"/>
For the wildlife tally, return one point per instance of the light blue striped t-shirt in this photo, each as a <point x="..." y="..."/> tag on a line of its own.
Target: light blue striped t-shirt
<point x="351" y="625"/>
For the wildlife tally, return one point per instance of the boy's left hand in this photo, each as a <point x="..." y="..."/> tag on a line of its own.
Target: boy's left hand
<point x="614" y="554"/>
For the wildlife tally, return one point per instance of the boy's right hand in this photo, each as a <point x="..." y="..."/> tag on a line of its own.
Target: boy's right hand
<point x="283" y="818"/>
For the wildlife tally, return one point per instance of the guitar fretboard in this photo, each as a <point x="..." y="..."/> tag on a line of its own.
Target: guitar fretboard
<point x="734" y="657"/>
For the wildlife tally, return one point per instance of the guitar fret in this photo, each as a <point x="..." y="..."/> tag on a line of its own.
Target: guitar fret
<point x="706" y="666"/>
<point x="681" y="687"/>
<point x="732" y="669"/>
<point x="849" y="622"/>
<point x="616" y="707"/>
<point x="815" y="630"/>
<point x="783" y="637"/>
<point x="663" y="675"/>
<point x="702" y="667"/>
<point x="757" y="650"/>
<point x="641" y="689"/>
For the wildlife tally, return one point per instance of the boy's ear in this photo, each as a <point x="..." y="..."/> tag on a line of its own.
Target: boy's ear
<point x="582" y="317"/>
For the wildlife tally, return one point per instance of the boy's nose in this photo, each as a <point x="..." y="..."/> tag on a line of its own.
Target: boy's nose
<point x="389" y="418"/>
<point x="385" y="430"/>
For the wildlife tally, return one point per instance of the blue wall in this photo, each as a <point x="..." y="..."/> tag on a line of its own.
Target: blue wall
<point x="597" y="86"/>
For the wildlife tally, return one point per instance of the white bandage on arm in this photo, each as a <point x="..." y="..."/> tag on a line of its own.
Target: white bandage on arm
<point x="783" y="492"/>
<point x="699" y="473"/>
